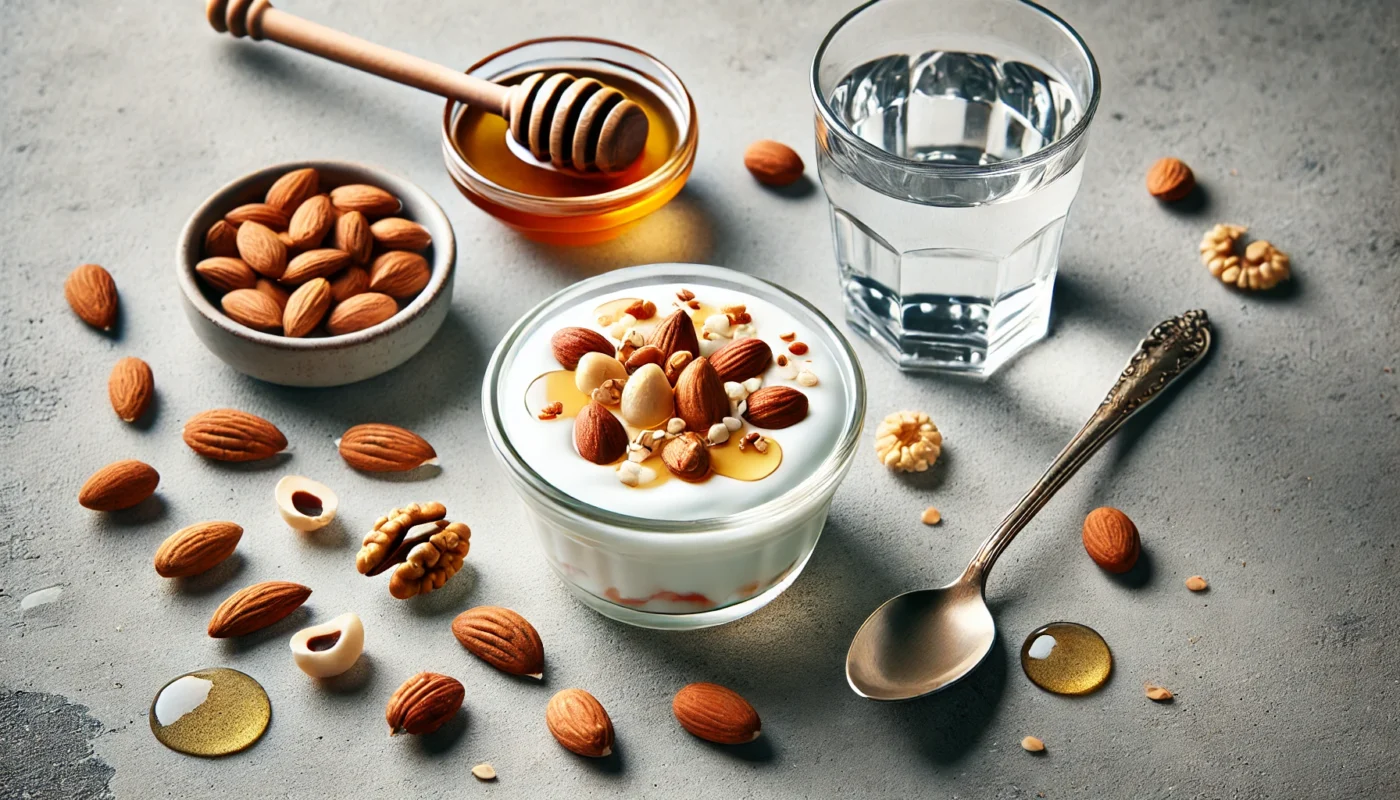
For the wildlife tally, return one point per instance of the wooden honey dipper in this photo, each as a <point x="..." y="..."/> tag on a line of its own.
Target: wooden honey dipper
<point x="578" y="125"/>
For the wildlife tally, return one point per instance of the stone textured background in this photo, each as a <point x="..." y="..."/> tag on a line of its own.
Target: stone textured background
<point x="1273" y="473"/>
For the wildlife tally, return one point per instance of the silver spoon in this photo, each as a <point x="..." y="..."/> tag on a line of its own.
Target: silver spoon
<point x="921" y="642"/>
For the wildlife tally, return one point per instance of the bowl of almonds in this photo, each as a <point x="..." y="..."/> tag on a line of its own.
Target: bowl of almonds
<point x="316" y="273"/>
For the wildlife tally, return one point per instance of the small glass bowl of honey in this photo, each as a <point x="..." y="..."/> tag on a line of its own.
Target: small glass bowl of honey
<point x="558" y="207"/>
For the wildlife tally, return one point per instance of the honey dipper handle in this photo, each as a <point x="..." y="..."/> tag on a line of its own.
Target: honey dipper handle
<point x="259" y="20"/>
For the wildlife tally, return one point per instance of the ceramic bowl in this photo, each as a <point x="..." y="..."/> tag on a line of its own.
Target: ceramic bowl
<point x="325" y="360"/>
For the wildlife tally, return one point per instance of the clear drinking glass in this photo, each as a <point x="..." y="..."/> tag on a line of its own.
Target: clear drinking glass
<point x="949" y="142"/>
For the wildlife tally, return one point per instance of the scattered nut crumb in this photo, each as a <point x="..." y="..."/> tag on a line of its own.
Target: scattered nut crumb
<point x="931" y="516"/>
<point x="1197" y="584"/>
<point x="484" y="772"/>
<point x="685" y="295"/>
<point x="807" y="377"/>
<point x="1032" y="745"/>
<point x="789" y="336"/>
<point x="694" y="305"/>
<point x="798" y="348"/>
<point x="1159" y="694"/>
<point x="552" y="411"/>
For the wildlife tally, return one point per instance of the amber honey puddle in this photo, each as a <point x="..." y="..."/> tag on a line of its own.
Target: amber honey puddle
<point x="210" y="712"/>
<point x="1066" y="658"/>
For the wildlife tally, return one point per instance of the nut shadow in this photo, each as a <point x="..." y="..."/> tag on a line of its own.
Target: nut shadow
<point x="332" y="537"/>
<point x="447" y="737"/>
<point x="1195" y="204"/>
<point x="450" y="599"/>
<point x="152" y="509"/>
<point x="760" y="751"/>
<point x="280" y="630"/>
<point x="211" y="580"/>
<point x="352" y="682"/>
<point x="801" y="188"/>
<point x="147" y="421"/>
<point x="273" y="462"/>
<point x="415" y="475"/>
<point x="1139" y="576"/>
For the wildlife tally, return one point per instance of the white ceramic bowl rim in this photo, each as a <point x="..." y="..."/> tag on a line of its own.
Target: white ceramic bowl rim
<point x="191" y="243"/>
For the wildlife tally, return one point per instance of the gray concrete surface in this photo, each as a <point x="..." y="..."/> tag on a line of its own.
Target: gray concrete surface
<point x="1273" y="473"/>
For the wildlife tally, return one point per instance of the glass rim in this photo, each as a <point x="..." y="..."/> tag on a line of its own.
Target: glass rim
<point x="834" y="122"/>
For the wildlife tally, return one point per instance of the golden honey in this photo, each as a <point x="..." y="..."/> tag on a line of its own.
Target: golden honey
<point x="1066" y="658"/>
<point x="210" y="712"/>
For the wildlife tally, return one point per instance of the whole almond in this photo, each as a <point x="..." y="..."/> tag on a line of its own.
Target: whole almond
<point x="261" y="213"/>
<point x="311" y="222"/>
<point x="275" y="291"/>
<point x="647" y="354"/>
<point x="226" y="273"/>
<point x="397" y="233"/>
<point x="319" y="263"/>
<point x="225" y="434"/>
<point x="773" y="163"/>
<point x="291" y="190"/>
<point x="687" y="456"/>
<point x="675" y="333"/>
<point x="571" y="344"/>
<point x="399" y="273"/>
<point x="716" y="714"/>
<point x="579" y="723"/>
<point x="92" y="294"/>
<point x="424" y="703"/>
<point x="197" y="548"/>
<point x="221" y="240"/>
<point x="306" y="307"/>
<point x="130" y="387"/>
<point x="700" y="397"/>
<point x="353" y="235"/>
<point x="348" y="283"/>
<point x="260" y="248"/>
<point x="742" y="359"/>
<point x="361" y="311"/>
<point x="1111" y="539"/>
<point x="598" y="435"/>
<point x="775" y="407"/>
<point x="376" y="447"/>
<point x="371" y="201"/>
<point x="501" y="638"/>
<point x="252" y="308"/>
<point x="119" y="485"/>
<point x="256" y="607"/>
<point x="1170" y="180"/>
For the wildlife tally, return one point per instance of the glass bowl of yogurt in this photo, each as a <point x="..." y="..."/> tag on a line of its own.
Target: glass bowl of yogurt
<point x="704" y="480"/>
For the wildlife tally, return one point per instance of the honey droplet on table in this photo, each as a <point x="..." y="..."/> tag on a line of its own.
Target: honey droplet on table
<point x="210" y="712"/>
<point x="1066" y="658"/>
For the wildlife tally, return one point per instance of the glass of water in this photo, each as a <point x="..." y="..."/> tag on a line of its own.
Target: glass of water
<point x="949" y="142"/>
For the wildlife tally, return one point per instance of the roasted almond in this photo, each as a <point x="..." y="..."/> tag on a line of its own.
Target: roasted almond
<point x="260" y="249"/>
<point x="311" y="222"/>
<point x="376" y="447"/>
<point x="348" y="283"/>
<point x="226" y="273"/>
<point x="598" y="435"/>
<point x="700" y="397"/>
<point x="261" y="213"/>
<point x="130" y="387"/>
<point x="775" y="407"/>
<point x="687" y="456"/>
<point x="424" y="703"/>
<point x="579" y="723"/>
<point x="225" y="434"/>
<point x="292" y="189"/>
<point x="742" y="359"/>
<point x="252" y="308"/>
<point x="716" y="714"/>
<point x="256" y="607"/>
<point x="121" y="484"/>
<point x="318" y="263"/>
<point x="773" y="163"/>
<point x="362" y="311"/>
<point x="501" y="638"/>
<point x="221" y="240"/>
<point x="647" y="354"/>
<point x="1170" y="180"/>
<point x="352" y="234"/>
<point x="1111" y="539"/>
<point x="306" y="307"/>
<point x="399" y="274"/>
<point x="675" y="333"/>
<point x="397" y="233"/>
<point x="571" y="344"/>
<point x="92" y="294"/>
<point x="275" y="291"/>
<point x="197" y="548"/>
<point x="371" y="201"/>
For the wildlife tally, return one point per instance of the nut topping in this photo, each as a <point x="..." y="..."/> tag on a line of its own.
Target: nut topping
<point x="674" y="334"/>
<point x="598" y="435"/>
<point x="775" y="407"/>
<point x="676" y="364"/>
<point x="571" y="344"/>
<point x="647" y="399"/>
<point x="649" y="354"/>
<point x="700" y="397"/>
<point x="687" y="456"/>
<point x="594" y="368"/>
<point x="742" y="359"/>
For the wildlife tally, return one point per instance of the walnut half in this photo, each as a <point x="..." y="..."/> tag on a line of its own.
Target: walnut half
<point x="421" y="562"/>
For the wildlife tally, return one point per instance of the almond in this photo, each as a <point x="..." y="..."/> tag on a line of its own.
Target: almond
<point x="1170" y="180"/>
<point x="397" y="233"/>
<point x="318" y="263"/>
<point x="700" y="397"/>
<point x="579" y="723"/>
<point x="350" y="282"/>
<point x="256" y="607"/>
<point x="311" y="222"/>
<point x="274" y="291"/>
<point x="716" y="714"/>
<point x="742" y="359"/>
<point x="773" y="163"/>
<point x="399" y="274"/>
<point x="675" y="333"/>
<point x="260" y="249"/>
<point x="291" y="190"/>
<point x="225" y="434"/>
<point x="598" y="435"/>
<point x="130" y="387"/>
<point x="424" y="703"/>
<point x="197" y="548"/>
<point x="352" y="234"/>
<point x="687" y="456"/>
<point x="226" y="274"/>
<point x="252" y="308"/>
<point x="676" y="364"/>
<point x="501" y="638"/>
<point x="261" y="213"/>
<point x="647" y="400"/>
<point x="571" y="344"/>
<point x="221" y="240"/>
<point x="775" y="407"/>
<point x="376" y="447"/>
<point x="1111" y="539"/>
<point x="371" y="201"/>
<point x="361" y="311"/>
<point x="648" y="354"/>
<point x="92" y="294"/>
<point x="306" y="307"/>
<point x="121" y="484"/>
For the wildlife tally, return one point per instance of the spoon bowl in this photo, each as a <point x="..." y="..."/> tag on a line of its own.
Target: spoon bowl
<point x="920" y="642"/>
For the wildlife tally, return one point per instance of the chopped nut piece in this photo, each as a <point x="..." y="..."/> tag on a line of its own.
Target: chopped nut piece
<point x="718" y="325"/>
<point x="694" y="305"/>
<point x="908" y="441"/>
<point x="621" y="326"/>
<point x="642" y="309"/>
<point x="743" y="330"/>
<point x="676" y="364"/>
<point x="789" y="336"/>
<point x="685" y="295"/>
<point x="733" y="423"/>
<point x="1160" y="694"/>
<point x="484" y="772"/>
<point x="718" y="434"/>
<point x="675" y="425"/>
<point x="1197" y="584"/>
<point x="798" y="348"/>
<point x="634" y="474"/>
<point x="552" y="410"/>
<point x="807" y="377"/>
<point x="735" y="391"/>
<point x="1032" y="745"/>
<point x="753" y="384"/>
<point x="931" y="516"/>
<point x="609" y="394"/>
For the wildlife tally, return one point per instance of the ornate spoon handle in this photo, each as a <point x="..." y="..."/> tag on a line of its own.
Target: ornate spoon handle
<point x="1172" y="348"/>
